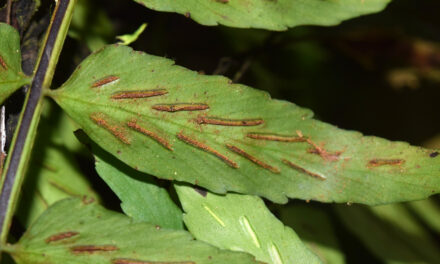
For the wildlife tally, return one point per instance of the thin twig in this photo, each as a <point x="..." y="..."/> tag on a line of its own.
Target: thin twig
<point x="8" y="12"/>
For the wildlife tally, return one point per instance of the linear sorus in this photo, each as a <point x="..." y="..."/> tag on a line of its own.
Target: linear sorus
<point x="180" y="107"/>
<point x="252" y="158"/>
<point x="228" y="122"/>
<point x="135" y="261"/>
<point x="301" y="169"/>
<point x="3" y="63"/>
<point x="61" y="236"/>
<point x="206" y="148"/>
<point x="330" y="156"/>
<point x="381" y="162"/>
<point x="274" y="137"/>
<point x="105" y="80"/>
<point x="138" y="94"/>
<point x="115" y="130"/>
<point x="134" y="125"/>
<point x="90" y="249"/>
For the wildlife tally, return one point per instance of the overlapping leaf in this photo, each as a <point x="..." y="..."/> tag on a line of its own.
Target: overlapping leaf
<point x="54" y="172"/>
<point x="391" y="233"/>
<point x="11" y="75"/>
<point x="75" y="232"/>
<point x="243" y="223"/>
<point x="141" y="197"/>
<point x="179" y="125"/>
<point x="268" y="14"/>
<point x="314" y="226"/>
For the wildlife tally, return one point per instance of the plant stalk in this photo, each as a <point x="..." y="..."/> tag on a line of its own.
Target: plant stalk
<point x="24" y="136"/>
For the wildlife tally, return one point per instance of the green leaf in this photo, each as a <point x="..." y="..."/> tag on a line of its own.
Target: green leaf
<point x="429" y="212"/>
<point x="175" y="124"/>
<point x="268" y="14"/>
<point x="74" y="231"/>
<point x="54" y="172"/>
<point x="11" y="75"/>
<point x="242" y="223"/>
<point x="391" y="233"/>
<point x="314" y="226"/>
<point x="127" y="39"/>
<point x="141" y="198"/>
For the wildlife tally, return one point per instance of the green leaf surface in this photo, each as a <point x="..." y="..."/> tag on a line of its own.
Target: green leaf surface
<point x="176" y="124"/>
<point x="241" y="223"/>
<point x="75" y="231"/>
<point x="391" y="233"/>
<point x="314" y="226"/>
<point x="11" y="75"/>
<point x="141" y="197"/>
<point x="54" y="172"/>
<point x="267" y="14"/>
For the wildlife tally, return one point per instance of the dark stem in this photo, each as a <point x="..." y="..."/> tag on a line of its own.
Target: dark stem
<point x="34" y="96"/>
<point x="8" y="11"/>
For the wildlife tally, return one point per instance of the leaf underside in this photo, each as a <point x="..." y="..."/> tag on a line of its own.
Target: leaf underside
<point x="267" y="14"/>
<point x="243" y="223"/>
<point x="75" y="231"/>
<point x="11" y="75"/>
<point x="176" y="124"/>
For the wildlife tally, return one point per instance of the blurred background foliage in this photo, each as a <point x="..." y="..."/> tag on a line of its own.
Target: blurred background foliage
<point x="377" y="74"/>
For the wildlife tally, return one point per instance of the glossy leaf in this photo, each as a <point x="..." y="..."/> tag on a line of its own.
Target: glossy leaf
<point x="11" y="75"/>
<point x="54" y="172"/>
<point x="314" y="226"/>
<point x="179" y="125"/>
<point x="242" y="223"/>
<point x="75" y="231"/>
<point x="268" y="14"/>
<point x="141" y="197"/>
<point x="391" y="233"/>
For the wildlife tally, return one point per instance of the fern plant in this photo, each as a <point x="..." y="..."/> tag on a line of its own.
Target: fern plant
<point x="203" y="166"/>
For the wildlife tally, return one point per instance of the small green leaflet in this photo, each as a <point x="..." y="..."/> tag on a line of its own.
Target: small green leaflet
<point x="75" y="231"/>
<point x="242" y="223"/>
<point x="268" y="14"/>
<point x="141" y="198"/>
<point x="11" y="75"/>
<point x="176" y="124"/>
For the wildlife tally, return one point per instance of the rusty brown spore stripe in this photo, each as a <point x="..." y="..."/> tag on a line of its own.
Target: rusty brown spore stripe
<point x="134" y="125"/>
<point x="138" y="94"/>
<point x="330" y="156"/>
<point x="104" y="81"/>
<point x="180" y="107"/>
<point x="303" y="170"/>
<point x="90" y="249"/>
<point x="61" y="236"/>
<point x="382" y="162"/>
<point x="207" y="148"/>
<point x="228" y="122"/>
<point x="3" y="63"/>
<point x="134" y="261"/>
<point x="116" y="131"/>
<point x="274" y="137"/>
<point x="252" y="158"/>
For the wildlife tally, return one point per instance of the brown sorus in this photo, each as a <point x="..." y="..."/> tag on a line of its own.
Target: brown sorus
<point x="228" y="122"/>
<point x="116" y="131"/>
<point x="322" y="152"/>
<point x="252" y="158"/>
<point x="206" y="148"/>
<point x="180" y="107"/>
<point x="138" y="94"/>
<point x="90" y="249"/>
<point x="104" y="81"/>
<point x="134" y="125"/>
<point x="222" y="1"/>
<point x="274" y="137"/>
<point x="60" y="236"/>
<point x="301" y="169"/>
<point x="381" y="162"/>
<point x="134" y="261"/>
<point x="3" y="63"/>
